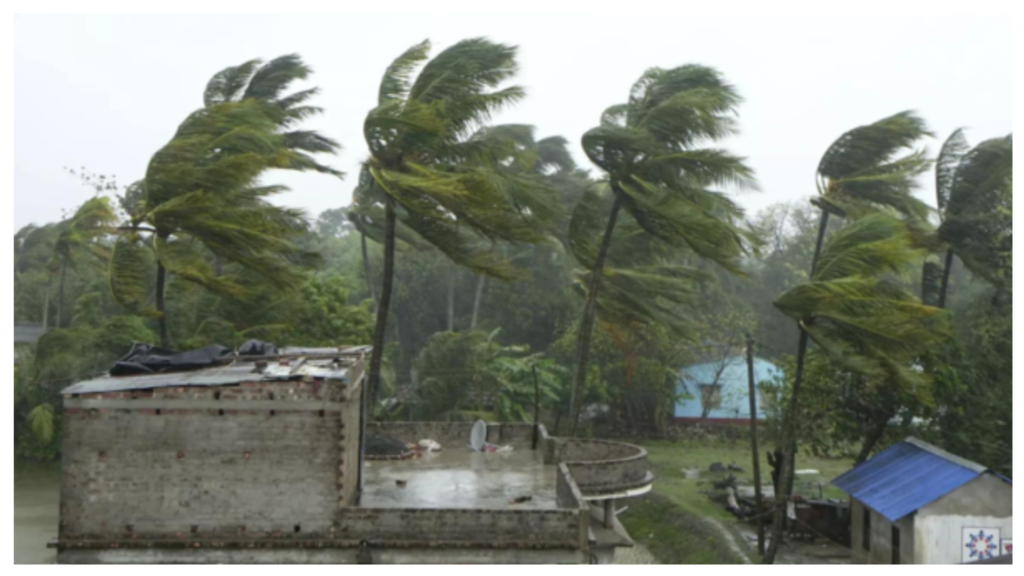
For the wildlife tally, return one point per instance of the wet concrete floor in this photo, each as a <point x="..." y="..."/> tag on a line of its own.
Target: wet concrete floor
<point x="460" y="478"/>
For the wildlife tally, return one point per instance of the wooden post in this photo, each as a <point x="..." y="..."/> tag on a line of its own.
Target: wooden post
<point x="536" y="408"/>
<point x="753" y="444"/>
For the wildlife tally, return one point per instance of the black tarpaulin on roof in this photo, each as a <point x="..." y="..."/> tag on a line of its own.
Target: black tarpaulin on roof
<point x="149" y="359"/>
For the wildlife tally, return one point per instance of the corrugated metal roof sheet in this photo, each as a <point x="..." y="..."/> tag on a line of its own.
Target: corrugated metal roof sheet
<point x="907" y="476"/>
<point x="234" y="373"/>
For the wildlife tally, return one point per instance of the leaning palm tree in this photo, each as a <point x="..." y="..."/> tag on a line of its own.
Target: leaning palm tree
<point x="92" y="221"/>
<point x="861" y="318"/>
<point x="869" y="169"/>
<point x="971" y="189"/>
<point x="200" y="197"/>
<point x="435" y="178"/>
<point x="657" y="171"/>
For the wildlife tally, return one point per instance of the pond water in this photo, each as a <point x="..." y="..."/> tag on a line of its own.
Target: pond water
<point x="36" y="507"/>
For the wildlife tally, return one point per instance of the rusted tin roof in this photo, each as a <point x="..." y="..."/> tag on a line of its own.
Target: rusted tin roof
<point x="327" y="368"/>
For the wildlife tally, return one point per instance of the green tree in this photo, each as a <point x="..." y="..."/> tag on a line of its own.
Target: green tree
<point x="439" y="180"/>
<point x="200" y="198"/>
<point x="865" y="321"/>
<point x="649" y="149"/>
<point x="92" y="221"/>
<point x="973" y="192"/>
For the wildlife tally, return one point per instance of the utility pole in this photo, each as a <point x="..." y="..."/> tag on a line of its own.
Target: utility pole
<point x="753" y="444"/>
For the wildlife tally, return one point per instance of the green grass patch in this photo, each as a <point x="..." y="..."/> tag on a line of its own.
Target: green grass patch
<point x="668" y="521"/>
<point x="673" y="535"/>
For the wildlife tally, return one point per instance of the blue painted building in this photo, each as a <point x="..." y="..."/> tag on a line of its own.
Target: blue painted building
<point x="718" y="391"/>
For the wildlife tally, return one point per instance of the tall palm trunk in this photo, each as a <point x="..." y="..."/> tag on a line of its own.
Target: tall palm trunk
<point x="60" y="291"/>
<point x="451" y="302"/>
<point x="790" y="422"/>
<point x="46" y="304"/>
<point x="377" y="355"/>
<point x="476" y="300"/>
<point x="579" y="377"/>
<point x="161" y="282"/>
<point x="366" y="271"/>
<point x="945" y="278"/>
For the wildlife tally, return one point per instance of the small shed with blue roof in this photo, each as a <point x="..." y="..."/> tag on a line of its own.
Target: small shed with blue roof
<point x="915" y="503"/>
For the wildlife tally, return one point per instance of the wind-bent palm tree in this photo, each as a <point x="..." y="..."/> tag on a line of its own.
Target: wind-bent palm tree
<point x="950" y="155"/>
<point x="863" y="320"/>
<point x="970" y="189"/>
<point x="861" y="173"/>
<point x="93" y="220"/>
<point x="650" y="149"/>
<point x="200" y="193"/>
<point x="201" y="189"/>
<point x="442" y="183"/>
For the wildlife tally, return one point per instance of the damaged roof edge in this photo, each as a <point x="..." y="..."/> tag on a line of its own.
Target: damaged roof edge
<point x="242" y="369"/>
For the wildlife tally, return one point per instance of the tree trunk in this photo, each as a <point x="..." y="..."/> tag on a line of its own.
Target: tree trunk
<point x="60" y="291"/>
<point x="451" y="301"/>
<point x="875" y="433"/>
<point x="376" y="356"/>
<point x="366" y="271"/>
<point x="46" y="305"/>
<point x="789" y="436"/>
<point x="945" y="278"/>
<point x="476" y="300"/>
<point x="161" y="281"/>
<point x="752" y="391"/>
<point x="579" y="377"/>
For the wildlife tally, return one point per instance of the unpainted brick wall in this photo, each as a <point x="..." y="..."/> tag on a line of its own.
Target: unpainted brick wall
<point x="131" y="473"/>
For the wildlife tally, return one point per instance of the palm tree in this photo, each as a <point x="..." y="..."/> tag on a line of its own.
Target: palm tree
<point x="200" y="196"/>
<point x="950" y="155"/>
<point x="860" y="318"/>
<point x="93" y="220"/>
<point x="649" y="149"/>
<point x="860" y="173"/>
<point x="201" y="189"/>
<point x="443" y="184"/>
<point x="970" y="189"/>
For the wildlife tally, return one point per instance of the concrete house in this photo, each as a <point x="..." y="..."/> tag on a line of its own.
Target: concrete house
<point x="260" y="460"/>
<point x="914" y="503"/>
<point x="719" y="392"/>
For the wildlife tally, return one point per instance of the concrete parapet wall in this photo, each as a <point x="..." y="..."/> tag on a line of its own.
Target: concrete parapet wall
<point x="456" y="434"/>
<point x="600" y="466"/>
<point x="430" y="527"/>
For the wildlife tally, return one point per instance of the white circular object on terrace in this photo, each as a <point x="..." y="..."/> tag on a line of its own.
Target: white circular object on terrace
<point x="478" y="436"/>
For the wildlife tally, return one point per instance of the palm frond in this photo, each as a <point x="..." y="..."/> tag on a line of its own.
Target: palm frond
<point x="861" y="171"/>
<point x="128" y="275"/>
<point x="229" y="84"/>
<point x="395" y="83"/>
<point x="952" y="152"/>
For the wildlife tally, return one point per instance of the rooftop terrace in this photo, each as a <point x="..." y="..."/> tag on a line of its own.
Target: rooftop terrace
<point x="457" y="477"/>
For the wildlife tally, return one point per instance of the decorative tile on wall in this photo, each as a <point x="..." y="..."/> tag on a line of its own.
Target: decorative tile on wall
<point x="980" y="543"/>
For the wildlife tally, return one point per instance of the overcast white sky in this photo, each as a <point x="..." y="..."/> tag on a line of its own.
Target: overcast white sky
<point x="105" y="92"/>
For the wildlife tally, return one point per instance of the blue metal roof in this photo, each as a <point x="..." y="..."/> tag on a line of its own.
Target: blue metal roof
<point x="907" y="476"/>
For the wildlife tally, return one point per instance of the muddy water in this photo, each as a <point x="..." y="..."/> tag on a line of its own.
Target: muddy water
<point x="36" y="503"/>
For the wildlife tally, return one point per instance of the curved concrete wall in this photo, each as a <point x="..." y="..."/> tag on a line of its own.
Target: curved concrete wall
<point x="600" y="466"/>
